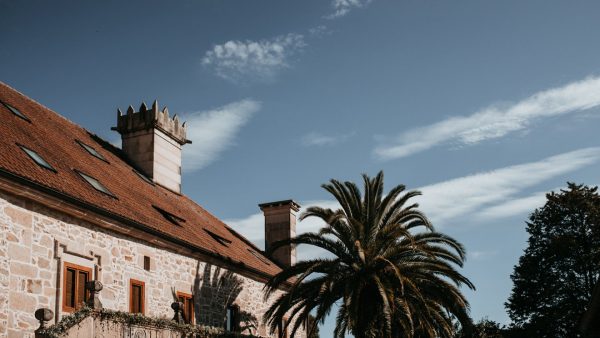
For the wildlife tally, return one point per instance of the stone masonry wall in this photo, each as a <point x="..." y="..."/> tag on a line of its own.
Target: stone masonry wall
<point x="35" y="241"/>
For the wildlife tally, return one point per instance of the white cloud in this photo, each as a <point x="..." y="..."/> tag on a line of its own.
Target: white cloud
<point x="514" y="206"/>
<point x="213" y="131"/>
<point x="319" y="31"/>
<point x="495" y="122"/>
<point x="490" y="191"/>
<point x="253" y="60"/>
<point x="464" y="196"/>
<point x="317" y="139"/>
<point x="343" y="7"/>
<point x="481" y="255"/>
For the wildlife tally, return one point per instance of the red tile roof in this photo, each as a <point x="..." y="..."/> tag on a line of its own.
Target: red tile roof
<point x="55" y="138"/>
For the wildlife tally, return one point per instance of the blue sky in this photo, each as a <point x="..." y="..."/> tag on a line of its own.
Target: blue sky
<point x="483" y="105"/>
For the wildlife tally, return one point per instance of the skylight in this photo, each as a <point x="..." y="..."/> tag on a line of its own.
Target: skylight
<point x="37" y="158"/>
<point x="260" y="257"/>
<point x="92" y="151"/>
<point x="96" y="184"/>
<point x="16" y="111"/>
<point x="144" y="177"/>
<point x="221" y="240"/>
<point x="169" y="216"/>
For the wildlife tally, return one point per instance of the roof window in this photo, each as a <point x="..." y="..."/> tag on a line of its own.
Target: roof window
<point x="169" y="216"/>
<point x="96" y="184"/>
<point x="144" y="177"/>
<point x="91" y="150"/>
<point x="259" y="256"/>
<point x="221" y="240"/>
<point x="16" y="112"/>
<point x="37" y="158"/>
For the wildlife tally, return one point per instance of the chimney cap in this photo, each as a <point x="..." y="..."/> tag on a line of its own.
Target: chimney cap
<point x="293" y="205"/>
<point x="147" y="119"/>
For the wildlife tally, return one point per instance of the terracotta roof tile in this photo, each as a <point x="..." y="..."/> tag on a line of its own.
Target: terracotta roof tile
<point x="55" y="138"/>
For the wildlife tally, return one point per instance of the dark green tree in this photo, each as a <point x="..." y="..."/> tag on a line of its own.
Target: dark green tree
<point x="484" y="328"/>
<point x="555" y="277"/>
<point x="390" y="272"/>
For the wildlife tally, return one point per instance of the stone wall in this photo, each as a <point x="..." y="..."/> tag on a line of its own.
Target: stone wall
<point x="35" y="242"/>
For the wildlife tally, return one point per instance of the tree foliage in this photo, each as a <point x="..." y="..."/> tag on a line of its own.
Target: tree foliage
<point x="484" y="328"/>
<point x="389" y="271"/>
<point x="555" y="277"/>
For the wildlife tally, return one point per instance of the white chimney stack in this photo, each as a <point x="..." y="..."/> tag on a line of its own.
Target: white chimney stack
<point x="152" y="141"/>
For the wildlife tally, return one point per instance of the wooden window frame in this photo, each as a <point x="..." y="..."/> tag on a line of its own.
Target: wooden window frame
<point x="132" y="283"/>
<point x="191" y="298"/>
<point x="77" y="268"/>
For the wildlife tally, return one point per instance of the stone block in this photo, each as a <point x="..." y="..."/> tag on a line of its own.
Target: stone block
<point x="19" y="216"/>
<point x="19" y="301"/>
<point x="24" y="270"/>
<point x="43" y="263"/>
<point x="11" y="237"/>
<point x="19" y="253"/>
<point x="46" y="241"/>
<point x="16" y="333"/>
<point x="46" y="275"/>
<point x="33" y="286"/>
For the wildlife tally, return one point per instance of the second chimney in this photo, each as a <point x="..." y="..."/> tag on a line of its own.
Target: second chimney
<point x="280" y="224"/>
<point x="152" y="141"/>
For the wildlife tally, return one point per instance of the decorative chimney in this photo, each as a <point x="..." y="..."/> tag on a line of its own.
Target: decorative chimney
<point x="152" y="141"/>
<point x="280" y="224"/>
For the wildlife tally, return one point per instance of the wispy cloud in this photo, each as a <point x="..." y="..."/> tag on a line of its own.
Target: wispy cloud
<point x="343" y="7"/>
<point x="213" y="131"/>
<point x="464" y="196"/>
<point x="514" y="206"/>
<point x="495" y="121"/>
<point x="494" y="192"/>
<point x="249" y="60"/>
<point x="481" y="255"/>
<point x="318" y="139"/>
<point x="319" y="31"/>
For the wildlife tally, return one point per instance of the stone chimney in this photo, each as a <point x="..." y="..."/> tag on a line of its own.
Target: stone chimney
<point x="152" y="141"/>
<point x="280" y="224"/>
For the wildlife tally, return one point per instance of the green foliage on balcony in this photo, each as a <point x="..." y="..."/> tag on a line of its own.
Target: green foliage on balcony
<point x="135" y="319"/>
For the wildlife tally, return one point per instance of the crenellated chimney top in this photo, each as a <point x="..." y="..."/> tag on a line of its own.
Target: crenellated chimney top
<point x="152" y="140"/>
<point x="145" y="119"/>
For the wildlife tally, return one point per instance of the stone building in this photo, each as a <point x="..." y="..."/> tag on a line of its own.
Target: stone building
<point x="74" y="208"/>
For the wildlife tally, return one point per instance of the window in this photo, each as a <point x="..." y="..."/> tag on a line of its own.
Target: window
<point x="136" y="296"/>
<point x="188" y="306"/>
<point x="92" y="151"/>
<point x="74" y="293"/>
<point x="37" y="158"/>
<point x="232" y="319"/>
<point x="222" y="240"/>
<point x="146" y="263"/>
<point x="16" y="112"/>
<point x="169" y="216"/>
<point x="142" y="176"/>
<point x="94" y="183"/>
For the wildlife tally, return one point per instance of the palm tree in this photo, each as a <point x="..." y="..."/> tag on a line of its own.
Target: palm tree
<point x="388" y="278"/>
